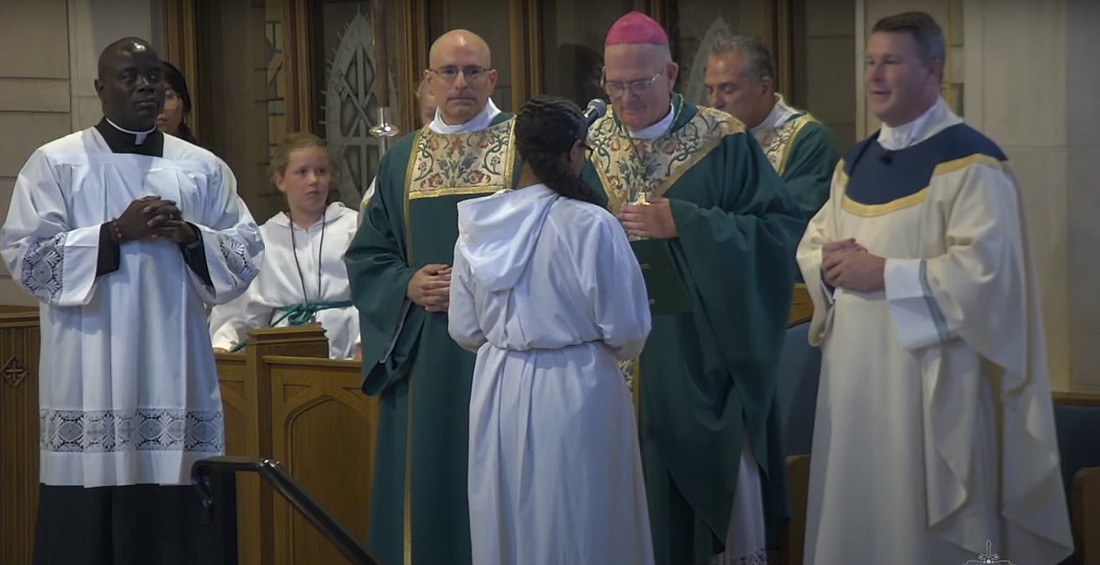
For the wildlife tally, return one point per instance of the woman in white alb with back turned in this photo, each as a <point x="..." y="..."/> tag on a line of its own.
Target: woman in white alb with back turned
<point x="303" y="277"/>
<point x="546" y="289"/>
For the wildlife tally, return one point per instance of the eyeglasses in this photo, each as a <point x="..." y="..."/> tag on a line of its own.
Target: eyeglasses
<point x="616" y="89"/>
<point x="587" y="148"/>
<point x="470" y="72"/>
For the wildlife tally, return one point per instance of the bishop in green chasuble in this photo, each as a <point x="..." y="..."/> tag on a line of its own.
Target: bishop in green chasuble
<point x="705" y="381"/>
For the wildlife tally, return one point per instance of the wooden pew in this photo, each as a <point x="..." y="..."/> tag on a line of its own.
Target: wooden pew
<point x="285" y="400"/>
<point x="323" y="432"/>
<point x="19" y="343"/>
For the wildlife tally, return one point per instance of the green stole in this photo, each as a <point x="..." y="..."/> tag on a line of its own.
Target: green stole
<point x="777" y="142"/>
<point x="705" y="380"/>
<point x="419" y="509"/>
<point x="803" y="152"/>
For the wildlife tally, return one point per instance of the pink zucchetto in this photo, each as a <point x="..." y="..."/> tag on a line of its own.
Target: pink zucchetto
<point x="636" y="28"/>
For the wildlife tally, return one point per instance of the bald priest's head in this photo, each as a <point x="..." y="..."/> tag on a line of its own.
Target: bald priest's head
<point x="460" y="75"/>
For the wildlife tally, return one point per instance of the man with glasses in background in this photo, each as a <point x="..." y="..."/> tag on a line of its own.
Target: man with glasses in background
<point x="399" y="266"/>
<point x="711" y="221"/>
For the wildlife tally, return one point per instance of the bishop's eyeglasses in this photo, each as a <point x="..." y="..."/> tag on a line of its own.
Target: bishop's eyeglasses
<point x="637" y="87"/>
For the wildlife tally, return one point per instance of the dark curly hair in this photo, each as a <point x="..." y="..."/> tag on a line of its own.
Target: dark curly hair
<point x="546" y="128"/>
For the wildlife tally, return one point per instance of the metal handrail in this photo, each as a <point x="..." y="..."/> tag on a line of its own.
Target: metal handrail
<point x="274" y="473"/>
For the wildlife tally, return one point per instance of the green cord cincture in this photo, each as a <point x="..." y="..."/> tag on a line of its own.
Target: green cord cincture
<point x="298" y="314"/>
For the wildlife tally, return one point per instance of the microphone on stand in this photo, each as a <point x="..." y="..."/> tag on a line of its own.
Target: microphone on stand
<point x="595" y="110"/>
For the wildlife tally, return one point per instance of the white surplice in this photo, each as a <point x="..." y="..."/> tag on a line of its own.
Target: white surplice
<point x="934" y="428"/>
<point x="280" y="283"/>
<point x="548" y="292"/>
<point x="128" y="388"/>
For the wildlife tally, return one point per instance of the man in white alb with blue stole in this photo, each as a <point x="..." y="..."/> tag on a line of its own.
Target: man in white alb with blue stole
<point x="123" y="234"/>
<point x="934" y="430"/>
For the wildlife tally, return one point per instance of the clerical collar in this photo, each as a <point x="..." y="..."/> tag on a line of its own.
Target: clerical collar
<point x="931" y="122"/>
<point x="477" y="123"/>
<point x="658" y="129"/>
<point x="781" y="113"/>
<point x="139" y="136"/>
<point x="125" y="141"/>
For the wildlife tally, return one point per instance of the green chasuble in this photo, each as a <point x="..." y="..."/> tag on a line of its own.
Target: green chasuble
<point x="804" y="154"/>
<point x="419" y="512"/>
<point x="705" y="381"/>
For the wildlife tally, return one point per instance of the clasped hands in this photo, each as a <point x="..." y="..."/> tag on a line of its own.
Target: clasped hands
<point x="153" y="218"/>
<point x="430" y="287"/>
<point x="847" y="264"/>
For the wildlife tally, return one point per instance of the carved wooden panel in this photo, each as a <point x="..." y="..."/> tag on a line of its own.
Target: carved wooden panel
<point x="232" y="376"/>
<point x="323" y="433"/>
<point x="19" y="342"/>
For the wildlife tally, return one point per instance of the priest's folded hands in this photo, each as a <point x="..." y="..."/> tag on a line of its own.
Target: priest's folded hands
<point x="652" y="219"/>
<point x="430" y="287"/>
<point x="152" y="217"/>
<point x="847" y="264"/>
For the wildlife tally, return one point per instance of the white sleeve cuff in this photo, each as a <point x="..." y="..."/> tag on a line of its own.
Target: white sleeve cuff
<point x="80" y="256"/>
<point x="918" y="320"/>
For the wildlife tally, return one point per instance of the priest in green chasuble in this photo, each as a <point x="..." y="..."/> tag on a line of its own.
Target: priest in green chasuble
<point x="399" y="265"/>
<point x="692" y="186"/>
<point x="741" y="79"/>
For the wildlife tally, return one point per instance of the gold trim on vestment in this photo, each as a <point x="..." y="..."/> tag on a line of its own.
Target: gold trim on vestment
<point x="456" y="191"/>
<point x="624" y="171"/>
<point x="870" y="210"/>
<point x="636" y="390"/>
<point x="408" y="180"/>
<point x="685" y="166"/>
<point x="975" y="159"/>
<point x="631" y="370"/>
<point x="788" y="138"/>
<point x="474" y="162"/>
